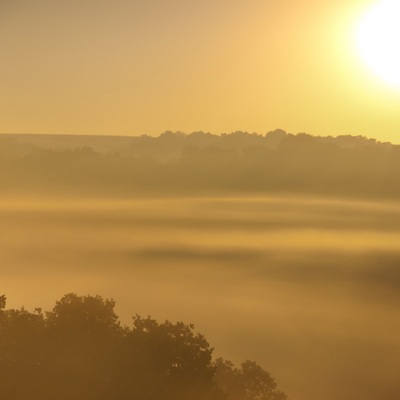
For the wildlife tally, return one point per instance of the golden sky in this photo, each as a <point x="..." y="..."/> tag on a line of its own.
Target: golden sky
<point x="136" y="67"/>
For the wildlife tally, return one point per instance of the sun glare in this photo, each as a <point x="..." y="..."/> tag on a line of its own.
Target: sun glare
<point x="378" y="40"/>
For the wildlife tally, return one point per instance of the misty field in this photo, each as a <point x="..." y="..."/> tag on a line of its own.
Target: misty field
<point x="307" y="287"/>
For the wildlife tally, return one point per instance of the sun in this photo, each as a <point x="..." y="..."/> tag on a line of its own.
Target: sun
<point x="378" y="40"/>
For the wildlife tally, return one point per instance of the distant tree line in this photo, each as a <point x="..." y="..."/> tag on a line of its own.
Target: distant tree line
<point x="80" y="351"/>
<point x="202" y="163"/>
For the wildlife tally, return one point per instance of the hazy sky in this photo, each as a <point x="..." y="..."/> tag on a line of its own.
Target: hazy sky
<point x="144" y="66"/>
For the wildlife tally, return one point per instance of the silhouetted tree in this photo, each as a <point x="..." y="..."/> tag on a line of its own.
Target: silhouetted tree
<point x="3" y="300"/>
<point x="249" y="382"/>
<point x="82" y="332"/>
<point x="22" y="343"/>
<point x="80" y="351"/>
<point x="166" y="360"/>
<point x="62" y="354"/>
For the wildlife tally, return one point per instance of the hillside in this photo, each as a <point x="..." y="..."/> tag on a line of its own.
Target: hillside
<point x="200" y="163"/>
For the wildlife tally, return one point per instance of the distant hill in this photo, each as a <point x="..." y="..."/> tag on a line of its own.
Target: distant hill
<point x="200" y="163"/>
<point x="173" y="143"/>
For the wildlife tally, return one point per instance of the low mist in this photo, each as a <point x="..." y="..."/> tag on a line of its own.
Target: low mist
<point x="306" y="286"/>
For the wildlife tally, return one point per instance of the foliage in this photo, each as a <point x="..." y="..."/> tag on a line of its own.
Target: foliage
<point x="249" y="382"/>
<point x="201" y="163"/>
<point x="79" y="350"/>
<point x="2" y="302"/>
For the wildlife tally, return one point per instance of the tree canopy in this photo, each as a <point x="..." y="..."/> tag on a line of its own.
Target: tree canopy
<point x="80" y="350"/>
<point x="200" y="163"/>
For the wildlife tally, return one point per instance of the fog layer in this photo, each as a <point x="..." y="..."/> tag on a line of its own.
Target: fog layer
<point x="306" y="286"/>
